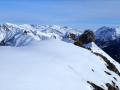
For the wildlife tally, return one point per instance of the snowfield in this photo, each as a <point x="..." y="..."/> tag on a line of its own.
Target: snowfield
<point x="53" y="65"/>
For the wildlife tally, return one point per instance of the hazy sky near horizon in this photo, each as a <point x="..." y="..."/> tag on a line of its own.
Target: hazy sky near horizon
<point x="62" y="12"/>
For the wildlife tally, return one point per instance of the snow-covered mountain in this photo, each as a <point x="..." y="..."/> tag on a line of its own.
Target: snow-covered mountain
<point x="107" y="33"/>
<point x="46" y="61"/>
<point x="109" y="40"/>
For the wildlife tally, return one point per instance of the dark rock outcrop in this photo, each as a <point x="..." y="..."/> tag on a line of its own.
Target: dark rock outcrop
<point x="87" y="37"/>
<point x="108" y="85"/>
<point x="112" y="86"/>
<point x="96" y="87"/>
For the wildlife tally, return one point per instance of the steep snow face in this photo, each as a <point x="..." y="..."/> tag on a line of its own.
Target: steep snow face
<point x="54" y="65"/>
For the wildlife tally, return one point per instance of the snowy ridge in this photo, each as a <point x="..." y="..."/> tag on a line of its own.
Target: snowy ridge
<point x="96" y="49"/>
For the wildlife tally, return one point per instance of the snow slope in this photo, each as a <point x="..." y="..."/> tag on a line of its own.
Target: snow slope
<point x="53" y="65"/>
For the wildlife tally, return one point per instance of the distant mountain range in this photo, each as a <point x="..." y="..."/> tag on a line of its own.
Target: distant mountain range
<point x="20" y="35"/>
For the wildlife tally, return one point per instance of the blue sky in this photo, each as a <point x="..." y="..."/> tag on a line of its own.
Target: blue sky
<point x="76" y="13"/>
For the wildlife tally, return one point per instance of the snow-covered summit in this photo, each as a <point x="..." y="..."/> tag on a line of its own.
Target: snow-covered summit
<point x="107" y="33"/>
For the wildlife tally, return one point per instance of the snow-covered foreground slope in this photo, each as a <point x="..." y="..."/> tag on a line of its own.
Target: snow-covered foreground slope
<point x="54" y="65"/>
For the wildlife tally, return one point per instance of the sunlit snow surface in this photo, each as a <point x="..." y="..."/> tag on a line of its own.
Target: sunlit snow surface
<point x="51" y="65"/>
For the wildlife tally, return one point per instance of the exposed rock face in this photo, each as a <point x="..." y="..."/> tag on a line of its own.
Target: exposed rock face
<point x="87" y="37"/>
<point x="95" y="86"/>
<point x="72" y="36"/>
<point x="108" y="85"/>
<point x="112" y="86"/>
